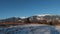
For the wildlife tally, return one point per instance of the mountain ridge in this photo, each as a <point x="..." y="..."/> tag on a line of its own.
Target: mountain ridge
<point x="35" y="19"/>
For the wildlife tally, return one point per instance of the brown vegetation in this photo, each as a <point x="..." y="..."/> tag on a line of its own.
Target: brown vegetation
<point x="27" y="21"/>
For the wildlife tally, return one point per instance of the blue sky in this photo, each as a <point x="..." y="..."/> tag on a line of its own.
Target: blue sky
<point x="20" y="8"/>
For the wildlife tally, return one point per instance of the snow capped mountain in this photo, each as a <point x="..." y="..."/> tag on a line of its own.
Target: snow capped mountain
<point x="46" y="16"/>
<point x="34" y="19"/>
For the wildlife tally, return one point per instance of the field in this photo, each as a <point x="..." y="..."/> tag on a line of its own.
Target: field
<point x="30" y="29"/>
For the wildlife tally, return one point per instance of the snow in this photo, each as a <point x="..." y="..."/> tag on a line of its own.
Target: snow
<point x="44" y="14"/>
<point x="29" y="29"/>
<point x="22" y="17"/>
<point x="57" y="27"/>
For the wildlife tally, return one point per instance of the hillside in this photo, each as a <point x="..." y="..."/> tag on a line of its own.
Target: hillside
<point x="47" y="19"/>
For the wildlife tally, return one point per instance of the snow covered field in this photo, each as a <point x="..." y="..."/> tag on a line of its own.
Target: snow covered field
<point x="31" y="29"/>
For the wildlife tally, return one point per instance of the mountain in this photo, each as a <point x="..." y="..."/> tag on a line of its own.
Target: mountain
<point x="10" y="19"/>
<point x="31" y="28"/>
<point x="45" y="19"/>
<point x="45" y="16"/>
<point x="35" y="19"/>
